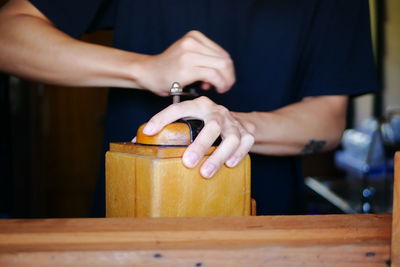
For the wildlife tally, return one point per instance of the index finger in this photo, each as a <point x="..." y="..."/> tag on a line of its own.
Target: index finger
<point x="168" y="115"/>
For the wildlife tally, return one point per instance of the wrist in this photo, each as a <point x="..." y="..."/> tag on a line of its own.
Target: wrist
<point x="135" y="71"/>
<point x="143" y="73"/>
<point x="246" y="120"/>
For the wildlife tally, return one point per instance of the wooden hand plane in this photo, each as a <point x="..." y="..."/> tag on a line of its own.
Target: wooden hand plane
<point x="148" y="178"/>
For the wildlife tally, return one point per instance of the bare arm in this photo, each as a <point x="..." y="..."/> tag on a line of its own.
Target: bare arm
<point x="32" y="47"/>
<point x="312" y="125"/>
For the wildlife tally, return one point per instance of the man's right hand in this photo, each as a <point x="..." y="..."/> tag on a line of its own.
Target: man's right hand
<point x="192" y="58"/>
<point x="237" y="137"/>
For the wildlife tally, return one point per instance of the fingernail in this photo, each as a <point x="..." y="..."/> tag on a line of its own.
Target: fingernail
<point x="190" y="159"/>
<point x="149" y="129"/>
<point x="232" y="162"/>
<point x="208" y="170"/>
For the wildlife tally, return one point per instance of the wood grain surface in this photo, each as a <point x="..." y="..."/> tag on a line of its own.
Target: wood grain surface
<point x="142" y="186"/>
<point x="315" y="240"/>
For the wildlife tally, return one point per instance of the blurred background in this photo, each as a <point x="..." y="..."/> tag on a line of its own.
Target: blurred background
<point x="51" y="142"/>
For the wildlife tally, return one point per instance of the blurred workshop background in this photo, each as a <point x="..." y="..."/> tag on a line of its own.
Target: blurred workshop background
<point x="51" y="141"/>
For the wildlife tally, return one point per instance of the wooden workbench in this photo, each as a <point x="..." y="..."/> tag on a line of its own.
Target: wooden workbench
<point x="230" y="241"/>
<point x="313" y="240"/>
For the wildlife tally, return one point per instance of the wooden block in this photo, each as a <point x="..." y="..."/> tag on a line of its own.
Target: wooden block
<point x="313" y="240"/>
<point x="149" y="181"/>
<point x="121" y="187"/>
<point x="396" y="214"/>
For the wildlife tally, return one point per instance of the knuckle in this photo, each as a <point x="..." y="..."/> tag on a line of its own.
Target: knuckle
<point x="236" y="123"/>
<point x="214" y="125"/>
<point x="204" y="100"/>
<point x="222" y="110"/>
<point x="201" y="146"/>
<point x="193" y="33"/>
<point x="251" y="128"/>
<point x="217" y="160"/>
<point x="212" y="74"/>
<point x="188" y="42"/>
<point x="225" y="63"/>
<point x="175" y="108"/>
<point x="239" y="155"/>
<point x="248" y="138"/>
<point x="233" y="140"/>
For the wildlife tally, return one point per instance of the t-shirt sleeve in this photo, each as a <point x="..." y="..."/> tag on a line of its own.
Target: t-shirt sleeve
<point x="338" y="57"/>
<point x="75" y="17"/>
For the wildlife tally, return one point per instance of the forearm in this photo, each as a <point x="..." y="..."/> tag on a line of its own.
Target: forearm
<point x="32" y="48"/>
<point x="312" y="125"/>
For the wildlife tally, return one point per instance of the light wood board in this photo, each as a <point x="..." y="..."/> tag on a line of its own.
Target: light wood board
<point x="315" y="240"/>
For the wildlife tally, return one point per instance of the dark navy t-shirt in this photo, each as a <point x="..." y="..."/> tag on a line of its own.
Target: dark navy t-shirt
<point x="283" y="50"/>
